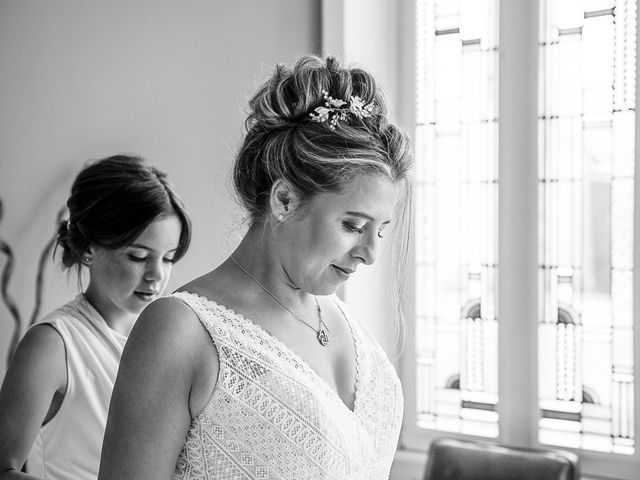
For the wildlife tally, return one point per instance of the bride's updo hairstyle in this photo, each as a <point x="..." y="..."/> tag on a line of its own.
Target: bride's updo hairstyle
<point x="316" y="125"/>
<point x="112" y="202"/>
<point x="288" y="139"/>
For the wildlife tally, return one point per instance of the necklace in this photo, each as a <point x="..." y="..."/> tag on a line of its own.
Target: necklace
<point x="322" y="332"/>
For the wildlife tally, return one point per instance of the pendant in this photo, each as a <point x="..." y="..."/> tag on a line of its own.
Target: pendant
<point x="323" y="338"/>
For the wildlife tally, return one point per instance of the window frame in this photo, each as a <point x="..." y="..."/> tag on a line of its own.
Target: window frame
<point x="518" y="141"/>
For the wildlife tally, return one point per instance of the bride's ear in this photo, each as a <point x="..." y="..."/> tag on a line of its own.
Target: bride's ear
<point x="283" y="201"/>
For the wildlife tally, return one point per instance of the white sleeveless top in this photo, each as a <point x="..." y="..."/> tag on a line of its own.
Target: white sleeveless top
<point x="69" y="445"/>
<point x="271" y="416"/>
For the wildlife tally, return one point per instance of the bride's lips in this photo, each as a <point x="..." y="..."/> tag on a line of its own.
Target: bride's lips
<point x="343" y="272"/>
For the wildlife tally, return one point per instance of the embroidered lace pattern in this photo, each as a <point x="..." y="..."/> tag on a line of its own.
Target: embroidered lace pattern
<point x="271" y="416"/>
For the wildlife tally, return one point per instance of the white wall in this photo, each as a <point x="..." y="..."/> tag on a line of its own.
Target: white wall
<point x="365" y="33"/>
<point x="168" y="80"/>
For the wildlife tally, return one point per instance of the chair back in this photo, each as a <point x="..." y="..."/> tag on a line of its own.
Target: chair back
<point x="473" y="460"/>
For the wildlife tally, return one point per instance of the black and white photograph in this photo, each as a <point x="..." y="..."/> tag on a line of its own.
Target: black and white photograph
<point x="319" y="240"/>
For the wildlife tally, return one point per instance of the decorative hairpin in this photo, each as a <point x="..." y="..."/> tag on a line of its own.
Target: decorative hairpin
<point x="336" y="110"/>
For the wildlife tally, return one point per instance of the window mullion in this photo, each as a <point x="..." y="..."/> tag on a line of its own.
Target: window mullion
<point x="518" y="222"/>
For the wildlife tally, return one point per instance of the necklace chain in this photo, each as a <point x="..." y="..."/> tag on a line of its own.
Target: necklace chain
<point x="322" y="330"/>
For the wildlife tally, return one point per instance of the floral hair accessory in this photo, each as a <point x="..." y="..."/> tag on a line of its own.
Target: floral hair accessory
<point x="336" y="110"/>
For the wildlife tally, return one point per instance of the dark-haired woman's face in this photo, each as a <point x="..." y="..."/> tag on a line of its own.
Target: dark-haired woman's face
<point x="338" y="232"/>
<point x="124" y="280"/>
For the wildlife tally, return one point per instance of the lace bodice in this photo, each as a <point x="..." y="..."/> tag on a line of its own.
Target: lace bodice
<point x="271" y="416"/>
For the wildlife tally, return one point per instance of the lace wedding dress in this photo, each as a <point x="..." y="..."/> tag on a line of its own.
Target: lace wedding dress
<point x="271" y="416"/>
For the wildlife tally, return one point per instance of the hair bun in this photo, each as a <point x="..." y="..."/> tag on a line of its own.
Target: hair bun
<point x="341" y="130"/>
<point x="69" y="255"/>
<point x="289" y="95"/>
<point x="293" y="93"/>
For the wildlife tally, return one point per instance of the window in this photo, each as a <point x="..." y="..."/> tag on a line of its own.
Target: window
<point x="545" y="354"/>
<point x="456" y="255"/>
<point x="586" y="129"/>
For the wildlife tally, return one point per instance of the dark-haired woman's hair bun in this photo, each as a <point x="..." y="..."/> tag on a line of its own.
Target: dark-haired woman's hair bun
<point x="112" y="202"/>
<point x="72" y="243"/>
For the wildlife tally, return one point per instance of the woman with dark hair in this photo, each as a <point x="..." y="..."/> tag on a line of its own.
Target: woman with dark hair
<point x="127" y="227"/>
<point x="256" y="370"/>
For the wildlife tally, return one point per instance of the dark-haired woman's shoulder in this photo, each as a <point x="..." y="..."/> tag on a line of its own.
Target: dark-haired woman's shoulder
<point x="32" y="391"/>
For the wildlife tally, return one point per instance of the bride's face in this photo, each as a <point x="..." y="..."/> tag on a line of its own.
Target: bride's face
<point x="338" y="232"/>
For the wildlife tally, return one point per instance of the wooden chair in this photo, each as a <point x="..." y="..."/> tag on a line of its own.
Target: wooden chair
<point x="474" y="460"/>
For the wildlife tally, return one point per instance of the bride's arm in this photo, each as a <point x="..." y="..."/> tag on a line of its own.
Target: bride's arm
<point x="150" y="409"/>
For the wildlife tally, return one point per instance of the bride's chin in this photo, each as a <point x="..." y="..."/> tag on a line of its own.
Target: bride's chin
<point x="324" y="290"/>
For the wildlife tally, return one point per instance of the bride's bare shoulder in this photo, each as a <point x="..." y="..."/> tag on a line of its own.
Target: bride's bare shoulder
<point x="221" y="285"/>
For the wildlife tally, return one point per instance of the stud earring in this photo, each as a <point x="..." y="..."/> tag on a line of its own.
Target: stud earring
<point x="281" y="217"/>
